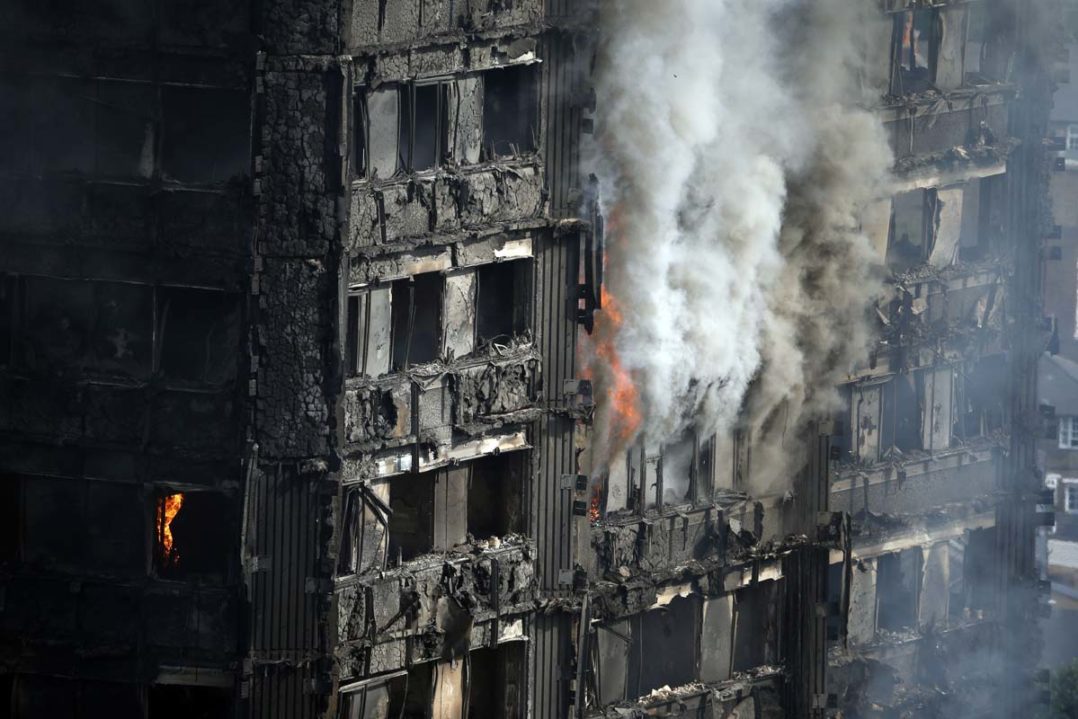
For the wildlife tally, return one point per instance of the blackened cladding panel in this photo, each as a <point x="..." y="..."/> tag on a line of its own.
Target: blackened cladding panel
<point x="560" y="90"/>
<point x="284" y="513"/>
<point x="551" y="511"/>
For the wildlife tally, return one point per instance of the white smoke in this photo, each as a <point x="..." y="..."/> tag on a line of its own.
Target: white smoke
<point x="733" y="164"/>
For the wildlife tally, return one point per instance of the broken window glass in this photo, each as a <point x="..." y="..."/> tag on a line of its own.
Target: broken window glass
<point x="368" y="319"/>
<point x="438" y="510"/>
<point x="360" y="123"/>
<point x="416" y="312"/>
<point x="365" y="529"/>
<point x="168" y="701"/>
<point x="510" y="111"/>
<point x="192" y="533"/>
<point x="609" y="660"/>
<point x="206" y="134"/>
<point x="382" y="126"/>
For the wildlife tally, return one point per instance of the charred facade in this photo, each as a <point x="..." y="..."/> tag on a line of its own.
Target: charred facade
<point x="296" y="422"/>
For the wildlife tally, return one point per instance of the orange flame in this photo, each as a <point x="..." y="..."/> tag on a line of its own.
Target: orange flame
<point x="624" y="400"/>
<point x="166" y="511"/>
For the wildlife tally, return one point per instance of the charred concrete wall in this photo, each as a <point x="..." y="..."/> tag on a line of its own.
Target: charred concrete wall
<point x="127" y="171"/>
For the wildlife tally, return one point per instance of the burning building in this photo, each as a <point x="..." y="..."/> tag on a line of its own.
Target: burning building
<point x="446" y="358"/>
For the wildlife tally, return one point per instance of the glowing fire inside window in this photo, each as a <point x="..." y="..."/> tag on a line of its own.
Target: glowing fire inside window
<point x="167" y="509"/>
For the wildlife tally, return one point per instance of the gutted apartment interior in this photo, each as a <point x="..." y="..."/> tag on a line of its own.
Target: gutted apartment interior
<point x="296" y="424"/>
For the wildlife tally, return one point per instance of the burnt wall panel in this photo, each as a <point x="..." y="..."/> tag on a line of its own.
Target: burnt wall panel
<point x="300" y="162"/>
<point x="310" y="27"/>
<point x="292" y="408"/>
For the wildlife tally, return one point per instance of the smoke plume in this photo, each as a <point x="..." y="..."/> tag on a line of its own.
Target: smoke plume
<point x="733" y="160"/>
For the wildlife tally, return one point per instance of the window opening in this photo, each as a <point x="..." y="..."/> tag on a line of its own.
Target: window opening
<point x="416" y="311"/>
<point x="1070" y="496"/>
<point x="365" y="529"/>
<point x="916" y="47"/>
<point x="496" y="682"/>
<point x="192" y="533"/>
<point x="651" y="662"/>
<point x="500" y="307"/>
<point x="510" y="111"/>
<point x="898" y="583"/>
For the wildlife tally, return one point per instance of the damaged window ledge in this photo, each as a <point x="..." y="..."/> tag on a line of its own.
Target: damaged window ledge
<point x="529" y="161"/>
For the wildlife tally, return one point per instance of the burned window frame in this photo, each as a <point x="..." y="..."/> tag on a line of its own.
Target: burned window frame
<point x="369" y="349"/>
<point x="449" y="148"/>
<point x="360" y="128"/>
<point x="441" y="497"/>
<point x="356" y="500"/>
<point x="637" y="491"/>
<point x="631" y="630"/>
<point x="489" y="152"/>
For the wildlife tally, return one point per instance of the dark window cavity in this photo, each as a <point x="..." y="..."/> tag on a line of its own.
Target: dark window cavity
<point x="757" y="625"/>
<point x="205" y="134"/>
<point x="902" y="412"/>
<point x="501" y="307"/>
<point x="496" y="682"/>
<point x="510" y="111"/>
<point x="192" y="534"/>
<point x="416" y="303"/>
<point x="184" y="702"/>
<point x="439" y="510"/>
<point x="199" y="335"/>
<point x="910" y="236"/>
<point x="422" y="126"/>
<point x="898" y="582"/>
<point x="495" y="493"/>
<point x="651" y="663"/>
<point x="10" y="513"/>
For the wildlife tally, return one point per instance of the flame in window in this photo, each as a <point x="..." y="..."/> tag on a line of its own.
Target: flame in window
<point x="167" y="509"/>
